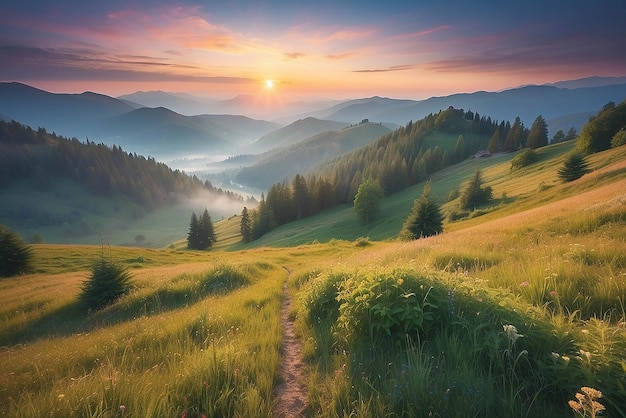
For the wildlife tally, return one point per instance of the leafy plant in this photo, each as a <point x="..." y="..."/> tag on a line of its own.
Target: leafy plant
<point x="107" y="283"/>
<point x="15" y="255"/>
<point x="387" y="305"/>
<point x="525" y="158"/>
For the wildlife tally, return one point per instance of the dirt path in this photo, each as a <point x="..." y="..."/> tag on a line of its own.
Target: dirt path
<point x="290" y="392"/>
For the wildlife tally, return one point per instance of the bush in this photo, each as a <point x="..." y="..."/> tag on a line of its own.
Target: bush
<point x="525" y="158"/>
<point x="107" y="283"/>
<point x="15" y="255"/>
<point x="619" y="138"/>
<point x="387" y="307"/>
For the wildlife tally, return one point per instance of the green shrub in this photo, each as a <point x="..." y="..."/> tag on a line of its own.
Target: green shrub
<point x="320" y="298"/>
<point x="108" y="282"/>
<point x="387" y="306"/>
<point x="525" y="158"/>
<point x="15" y="255"/>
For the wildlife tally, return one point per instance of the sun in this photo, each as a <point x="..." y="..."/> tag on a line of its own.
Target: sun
<point x="269" y="84"/>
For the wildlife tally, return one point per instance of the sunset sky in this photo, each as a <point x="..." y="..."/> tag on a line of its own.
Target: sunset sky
<point x="327" y="49"/>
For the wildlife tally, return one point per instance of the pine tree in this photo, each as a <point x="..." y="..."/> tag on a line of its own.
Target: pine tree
<point x="425" y="218"/>
<point x="301" y="198"/>
<point x="538" y="135"/>
<point x="205" y="231"/>
<point x="474" y="195"/>
<point x="494" y="141"/>
<point x="573" y="167"/>
<point x="15" y="255"/>
<point x="193" y="238"/>
<point x="245" y="226"/>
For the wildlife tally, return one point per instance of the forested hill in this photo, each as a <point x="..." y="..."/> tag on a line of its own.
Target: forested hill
<point x="411" y="153"/>
<point x="396" y="160"/>
<point x="300" y="157"/>
<point x="42" y="159"/>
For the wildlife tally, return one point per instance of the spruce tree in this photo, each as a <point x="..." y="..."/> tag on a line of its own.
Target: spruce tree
<point x="245" y="226"/>
<point x="15" y="255"/>
<point x="425" y="218"/>
<point x="107" y="283"/>
<point x="573" y="167"/>
<point x="474" y="195"/>
<point x="193" y="238"/>
<point x="538" y="135"/>
<point x="206" y="232"/>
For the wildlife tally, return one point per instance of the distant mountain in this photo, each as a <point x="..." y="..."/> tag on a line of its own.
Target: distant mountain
<point x="67" y="114"/>
<point x="356" y="110"/>
<point x="589" y="82"/>
<point x="299" y="158"/>
<point x="152" y="131"/>
<point x="294" y="133"/>
<point x="526" y="102"/>
<point x="247" y="128"/>
<point x="160" y="131"/>
<point x="178" y="102"/>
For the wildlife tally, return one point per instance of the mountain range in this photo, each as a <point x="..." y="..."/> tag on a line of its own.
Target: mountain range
<point x="154" y="123"/>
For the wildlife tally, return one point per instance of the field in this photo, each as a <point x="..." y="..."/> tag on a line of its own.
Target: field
<point x="509" y="312"/>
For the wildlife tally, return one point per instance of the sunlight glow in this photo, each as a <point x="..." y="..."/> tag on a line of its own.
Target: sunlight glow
<point x="269" y="84"/>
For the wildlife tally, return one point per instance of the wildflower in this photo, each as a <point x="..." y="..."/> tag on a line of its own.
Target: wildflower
<point x="587" y="402"/>
<point x="511" y="333"/>
<point x="122" y="409"/>
<point x="554" y="293"/>
<point x="400" y="281"/>
<point x="524" y="284"/>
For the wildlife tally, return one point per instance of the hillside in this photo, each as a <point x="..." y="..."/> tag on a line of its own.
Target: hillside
<point x="299" y="158"/>
<point x="294" y="132"/>
<point x="515" y="192"/>
<point x="68" y="191"/>
<point x="511" y="312"/>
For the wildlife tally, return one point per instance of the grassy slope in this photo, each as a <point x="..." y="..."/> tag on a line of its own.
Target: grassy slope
<point x="58" y="360"/>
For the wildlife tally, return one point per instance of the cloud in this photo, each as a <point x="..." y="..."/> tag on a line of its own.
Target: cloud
<point x="403" y="67"/>
<point x="294" y="55"/>
<point x="33" y="63"/>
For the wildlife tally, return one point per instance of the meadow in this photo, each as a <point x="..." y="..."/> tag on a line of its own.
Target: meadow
<point x="509" y="312"/>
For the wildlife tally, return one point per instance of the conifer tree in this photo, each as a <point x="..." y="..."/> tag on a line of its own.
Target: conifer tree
<point x="474" y="195"/>
<point x="206" y="232"/>
<point x="573" y="167"/>
<point x="193" y="237"/>
<point x="425" y="218"/>
<point x="245" y="226"/>
<point x="538" y="135"/>
<point x="15" y="255"/>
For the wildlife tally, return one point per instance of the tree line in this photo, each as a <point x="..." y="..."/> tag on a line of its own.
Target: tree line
<point x="42" y="158"/>
<point x="395" y="161"/>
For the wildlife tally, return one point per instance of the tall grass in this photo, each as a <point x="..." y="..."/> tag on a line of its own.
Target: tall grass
<point x="217" y="354"/>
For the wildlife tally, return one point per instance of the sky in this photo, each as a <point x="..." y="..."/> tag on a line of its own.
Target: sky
<point x="309" y="49"/>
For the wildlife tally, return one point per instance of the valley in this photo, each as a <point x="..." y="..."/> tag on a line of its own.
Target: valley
<point x="510" y="311"/>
